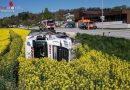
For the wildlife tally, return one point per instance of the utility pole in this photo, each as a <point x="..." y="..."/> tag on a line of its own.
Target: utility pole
<point x="102" y="17"/>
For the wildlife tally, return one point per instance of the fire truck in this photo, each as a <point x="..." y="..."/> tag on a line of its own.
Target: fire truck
<point x="47" y="24"/>
<point x="56" y="46"/>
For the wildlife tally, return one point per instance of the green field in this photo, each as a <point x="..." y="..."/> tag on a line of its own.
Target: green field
<point x="118" y="47"/>
<point x="101" y="63"/>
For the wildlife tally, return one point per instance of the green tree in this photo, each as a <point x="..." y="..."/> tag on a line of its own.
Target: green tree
<point x="47" y="14"/>
<point x="59" y="15"/>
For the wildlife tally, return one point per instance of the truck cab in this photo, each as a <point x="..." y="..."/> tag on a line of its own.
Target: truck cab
<point x="45" y="44"/>
<point x="48" y="24"/>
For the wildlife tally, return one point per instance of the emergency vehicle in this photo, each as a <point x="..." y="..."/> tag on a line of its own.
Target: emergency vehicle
<point x="39" y="44"/>
<point x="48" y="24"/>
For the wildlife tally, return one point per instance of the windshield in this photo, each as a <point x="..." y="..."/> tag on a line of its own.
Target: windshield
<point x="50" y="21"/>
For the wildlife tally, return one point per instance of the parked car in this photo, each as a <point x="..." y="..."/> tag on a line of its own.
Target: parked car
<point x="70" y="25"/>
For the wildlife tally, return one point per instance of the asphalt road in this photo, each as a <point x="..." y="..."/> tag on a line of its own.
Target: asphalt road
<point x="122" y="33"/>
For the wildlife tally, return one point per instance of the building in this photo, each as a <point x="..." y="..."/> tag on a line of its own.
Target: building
<point x="122" y="15"/>
<point x="69" y="17"/>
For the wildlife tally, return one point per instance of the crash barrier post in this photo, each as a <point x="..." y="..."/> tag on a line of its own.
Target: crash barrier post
<point x="103" y="33"/>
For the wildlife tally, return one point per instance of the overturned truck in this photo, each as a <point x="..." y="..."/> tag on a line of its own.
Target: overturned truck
<point x="56" y="46"/>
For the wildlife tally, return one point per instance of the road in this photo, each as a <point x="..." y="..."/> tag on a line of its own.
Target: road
<point x="122" y="33"/>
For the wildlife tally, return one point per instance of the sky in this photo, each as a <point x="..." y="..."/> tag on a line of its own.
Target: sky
<point x="36" y="6"/>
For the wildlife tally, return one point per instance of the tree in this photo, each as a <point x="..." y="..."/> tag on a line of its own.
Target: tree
<point x="0" y="23"/>
<point x="59" y="15"/>
<point x="119" y="8"/>
<point x="23" y="15"/>
<point x="94" y="9"/>
<point x="47" y="14"/>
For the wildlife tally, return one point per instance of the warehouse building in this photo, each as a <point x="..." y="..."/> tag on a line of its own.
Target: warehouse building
<point x="123" y="15"/>
<point x="116" y="17"/>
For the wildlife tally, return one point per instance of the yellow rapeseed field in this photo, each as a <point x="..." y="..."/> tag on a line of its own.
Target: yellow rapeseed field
<point x="22" y="33"/>
<point x="4" y="39"/>
<point x="93" y="70"/>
